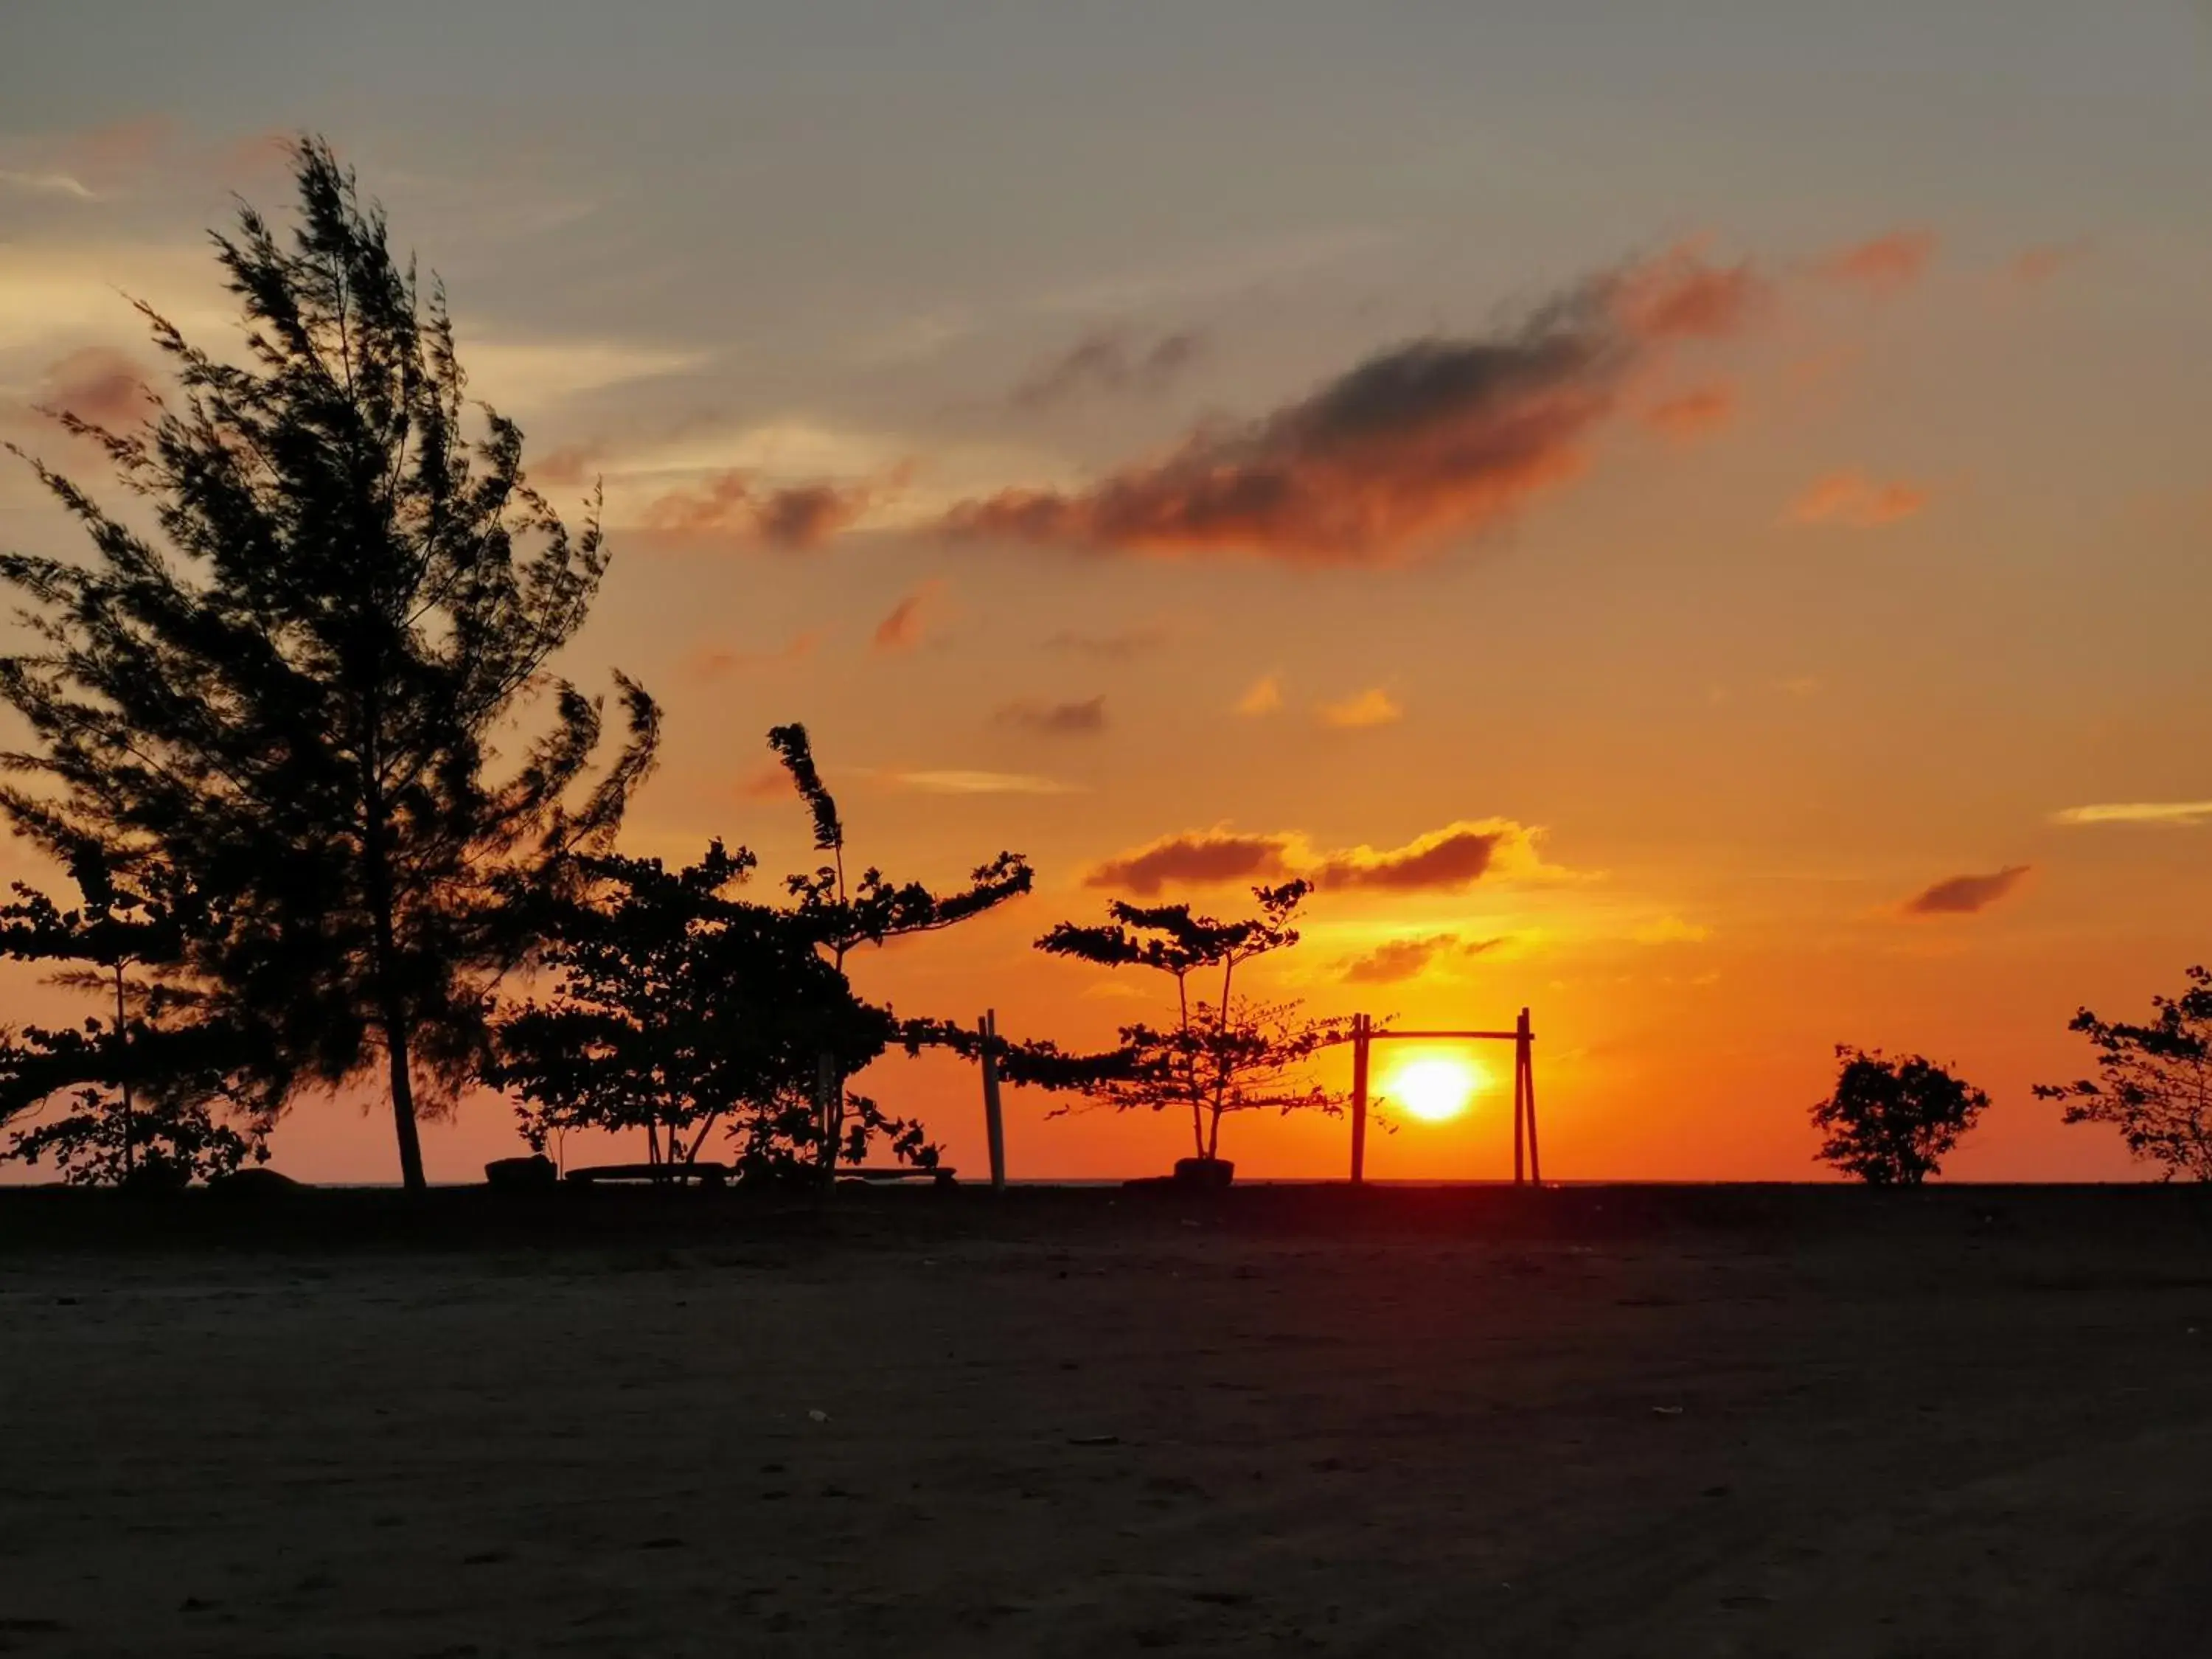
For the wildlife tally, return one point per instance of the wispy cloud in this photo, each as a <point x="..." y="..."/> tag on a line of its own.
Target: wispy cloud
<point x="97" y="385"/>
<point x="1110" y="360"/>
<point x="1694" y="413"/>
<point x="719" y="662"/>
<point x="2181" y="813"/>
<point x="1084" y="717"/>
<point x="1263" y="696"/>
<point x="1853" y="500"/>
<point x="903" y="628"/>
<point x="1963" y="896"/>
<point x="1400" y="959"/>
<point x="980" y="783"/>
<point x="1435" y="437"/>
<point x="1671" y="930"/>
<point x="1373" y="706"/>
<point x="2031" y="267"/>
<point x="46" y="183"/>
<point x="1884" y="265"/>
<point x="1123" y="645"/>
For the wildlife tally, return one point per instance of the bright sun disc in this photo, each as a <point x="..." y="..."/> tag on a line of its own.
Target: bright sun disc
<point x="1433" y="1090"/>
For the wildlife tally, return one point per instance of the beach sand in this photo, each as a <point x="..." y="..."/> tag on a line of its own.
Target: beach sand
<point x="1597" y="1421"/>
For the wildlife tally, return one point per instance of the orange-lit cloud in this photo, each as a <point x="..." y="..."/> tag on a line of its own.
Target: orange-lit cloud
<point x="1853" y="499"/>
<point x="1694" y="413"/>
<point x="570" y="464"/>
<point x="980" y="783"/>
<point x="2180" y="814"/>
<point x="1263" y="696"/>
<point x="1443" y="860"/>
<point x="96" y="385"/>
<point x="766" y="782"/>
<point x="1121" y="645"/>
<point x="1671" y="930"/>
<point x="1885" y="264"/>
<point x="903" y="628"/>
<point x="1373" y="706"/>
<point x="1401" y="959"/>
<point x="717" y="662"/>
<point x="1962" y="896"/>
<point x="2031" y="267"/>
<point x="1203" y="858"/>
<point x="1437" y="437"/>
<point x="1110" y="360"/>
<point x="1455" y="856"/>
<point x="731" y="504"/>
<point x="118" y="144"/>
<point x="1084" y="718"/>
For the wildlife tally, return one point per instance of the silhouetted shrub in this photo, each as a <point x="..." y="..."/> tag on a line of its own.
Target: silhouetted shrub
<point x="1891" y="1122"/>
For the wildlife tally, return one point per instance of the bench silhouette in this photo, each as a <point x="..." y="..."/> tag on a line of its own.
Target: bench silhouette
<point x="721" y="1175"/>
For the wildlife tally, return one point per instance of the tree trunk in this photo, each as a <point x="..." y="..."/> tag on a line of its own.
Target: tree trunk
<point x="122" y="1071"/>
<point x="402" y="1105"/>
<point x="830" y="1103"/>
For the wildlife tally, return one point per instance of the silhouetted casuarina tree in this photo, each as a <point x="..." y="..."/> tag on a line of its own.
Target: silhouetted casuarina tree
<point x="1891" y="1122"/>
<point x="2155" y="1081"/>
<point x="1223" y="1054"/>
<point x="294" y="694"/>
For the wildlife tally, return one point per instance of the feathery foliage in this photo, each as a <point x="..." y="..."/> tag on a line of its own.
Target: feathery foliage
<point x="2154" y="1081"/>
<point x="841" y="917"/>
<point x="1221" y="1054"/>
<point x="145" y="1076"/>
<point x="680" y="1009"/>
<point x="294" y="694"/>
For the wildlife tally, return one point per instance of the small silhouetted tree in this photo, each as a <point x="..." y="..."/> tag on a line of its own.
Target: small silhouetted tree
<point x="1891" y="1122"/>
<point x="2153" y="1082"/>
<point x="679" y="1009"/>
<point x="145" y="1076"/>
<point x="1222" y="1053"/>
<point x="296" y="694"/>
<point x="841" y="916"/>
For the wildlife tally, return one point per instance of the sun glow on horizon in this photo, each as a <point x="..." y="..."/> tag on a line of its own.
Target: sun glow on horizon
<point x="1436" y="1088"/>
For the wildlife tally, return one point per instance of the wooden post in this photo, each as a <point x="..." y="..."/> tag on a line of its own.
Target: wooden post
<point x="994" y="1122"/>
<point x="1536" y="1164"/>
<point x="1520" y="1100"/>
<point x="1525" y="1042"/>
<point x="1359" y="1099"/>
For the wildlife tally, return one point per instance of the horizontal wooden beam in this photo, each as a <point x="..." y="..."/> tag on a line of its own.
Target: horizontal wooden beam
<point x="1379" y="1033"/>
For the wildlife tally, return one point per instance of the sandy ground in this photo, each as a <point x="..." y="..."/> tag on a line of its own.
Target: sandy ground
<point x="1422" y="1424"/>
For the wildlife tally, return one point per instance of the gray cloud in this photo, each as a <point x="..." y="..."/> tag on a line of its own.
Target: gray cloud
<point x="1079" y="719"/>
<point x="1962" y="896"/>
<point x="1109" y="361"/>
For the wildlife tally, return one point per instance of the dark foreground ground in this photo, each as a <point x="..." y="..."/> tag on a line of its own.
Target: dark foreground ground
<point x="1691" y="1421"/>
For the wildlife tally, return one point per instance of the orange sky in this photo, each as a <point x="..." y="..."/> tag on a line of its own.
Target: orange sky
<point x="1748" y="489"/>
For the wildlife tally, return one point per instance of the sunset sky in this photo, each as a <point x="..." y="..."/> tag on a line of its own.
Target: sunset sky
<point x="1691" y="518"/>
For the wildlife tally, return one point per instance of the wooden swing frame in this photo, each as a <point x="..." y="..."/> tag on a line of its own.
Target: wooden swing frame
<point x="1527" y="1166"/>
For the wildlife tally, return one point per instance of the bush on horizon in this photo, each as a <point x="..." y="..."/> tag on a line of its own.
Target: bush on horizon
<point x="1891" y="1122"/>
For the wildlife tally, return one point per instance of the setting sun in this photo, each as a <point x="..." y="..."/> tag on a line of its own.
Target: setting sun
<point x="1434" y="1089"/>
